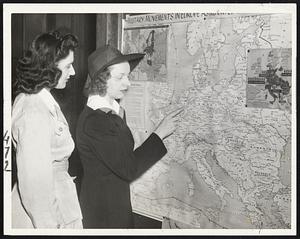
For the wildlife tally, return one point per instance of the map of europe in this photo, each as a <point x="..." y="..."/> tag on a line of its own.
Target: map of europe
<point x="228" y="164"/>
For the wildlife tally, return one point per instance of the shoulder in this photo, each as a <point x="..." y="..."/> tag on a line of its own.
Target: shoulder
<point x="98" y="119"/>
<point x="88" y="115"/>
<point x="29" y="107"/>
<point x="96" y="122"/>
<point x="29" y="103"/>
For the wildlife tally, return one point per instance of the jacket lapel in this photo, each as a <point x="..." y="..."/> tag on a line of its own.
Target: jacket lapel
<point x="59" y="116"/>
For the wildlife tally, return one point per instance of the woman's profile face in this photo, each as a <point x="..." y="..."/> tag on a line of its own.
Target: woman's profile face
<point x="118" y="83"/>
<point x="66" y="67"/>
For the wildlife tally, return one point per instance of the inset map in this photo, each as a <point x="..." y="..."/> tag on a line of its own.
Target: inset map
<point x="269" y="78"/>
<point x="153" y="42"/>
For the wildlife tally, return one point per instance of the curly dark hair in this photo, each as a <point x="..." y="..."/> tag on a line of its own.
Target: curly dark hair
<point x="37" y="69"/>
<point x="97" y="85"/>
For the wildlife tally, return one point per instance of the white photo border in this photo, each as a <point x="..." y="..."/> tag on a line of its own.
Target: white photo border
<point x="9" y="9"/>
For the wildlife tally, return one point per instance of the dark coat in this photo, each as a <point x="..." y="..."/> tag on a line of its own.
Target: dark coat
<point x="110" y="164"/>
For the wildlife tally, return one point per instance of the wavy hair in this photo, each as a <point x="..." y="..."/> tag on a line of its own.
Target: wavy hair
<point x="98" y="85"/>
<point x="37" y="69"/>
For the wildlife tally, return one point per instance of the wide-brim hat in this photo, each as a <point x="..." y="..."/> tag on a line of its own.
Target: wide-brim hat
<point x="106" y="56"/>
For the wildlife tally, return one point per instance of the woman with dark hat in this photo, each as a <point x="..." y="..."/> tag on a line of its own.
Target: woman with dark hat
<point x="45" y="195"/>
<point x="106" y="145"/>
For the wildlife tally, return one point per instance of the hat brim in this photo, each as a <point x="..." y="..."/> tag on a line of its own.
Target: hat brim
<point x="133" y="59"/>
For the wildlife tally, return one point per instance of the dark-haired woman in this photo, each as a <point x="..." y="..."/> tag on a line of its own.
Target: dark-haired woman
<point x="45" y="194"/>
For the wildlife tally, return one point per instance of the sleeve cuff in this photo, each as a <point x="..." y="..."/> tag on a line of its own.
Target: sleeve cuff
<point x="160" y="147"/>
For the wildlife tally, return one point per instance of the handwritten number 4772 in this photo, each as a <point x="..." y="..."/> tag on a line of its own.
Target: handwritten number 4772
<point x="7" y="148"/>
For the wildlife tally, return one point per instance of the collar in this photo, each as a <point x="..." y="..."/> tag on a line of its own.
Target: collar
<point x="96" y="102"/>
<point x="48" y="99"/>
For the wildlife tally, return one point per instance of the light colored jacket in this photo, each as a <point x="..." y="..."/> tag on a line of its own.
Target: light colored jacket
<point x="45" y="194"/>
